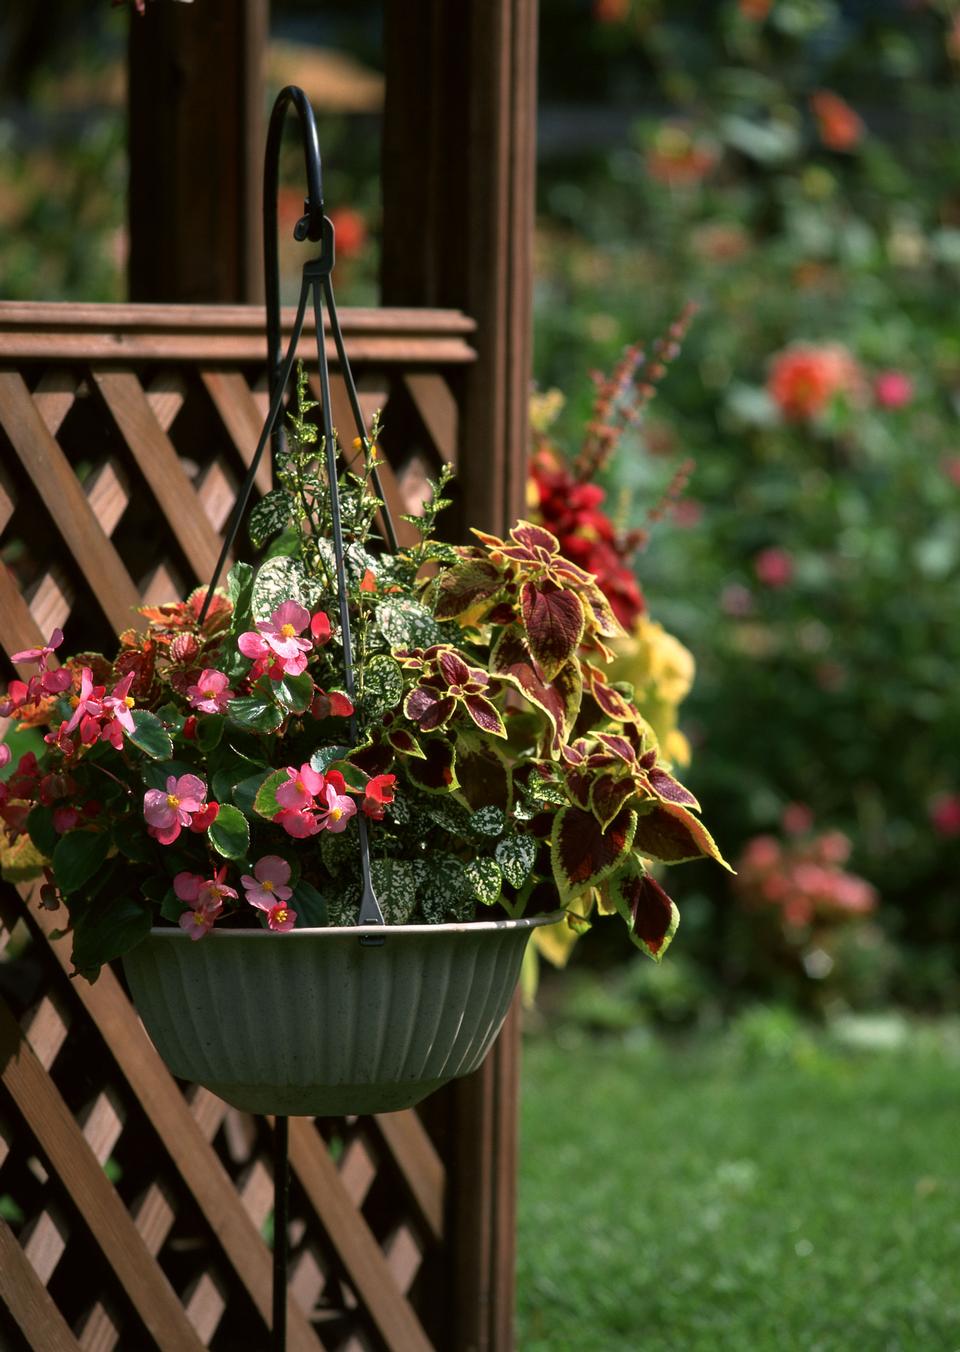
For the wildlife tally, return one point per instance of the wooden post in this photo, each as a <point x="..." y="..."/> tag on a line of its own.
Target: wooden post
<point x="458" y="197"/>
<point x="196" y="147"/>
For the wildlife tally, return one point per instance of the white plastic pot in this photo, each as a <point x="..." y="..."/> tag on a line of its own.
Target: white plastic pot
<point x="315" y="1022"/>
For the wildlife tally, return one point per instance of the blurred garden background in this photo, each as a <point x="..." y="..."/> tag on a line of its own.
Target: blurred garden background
<point x="758" y="202"/>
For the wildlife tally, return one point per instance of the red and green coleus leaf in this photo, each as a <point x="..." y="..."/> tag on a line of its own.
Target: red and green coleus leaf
<point x="600" y="614"/>
<point x="651" y="916"/>
<point x="553" y="619"/>
<point x="437" y="771"/>
<point x="608" y="795"/>
<point x="485" y="715"/>
<point x="464" y="587"/>
<point x="610" y="701"/>
<point x="484" y="773"/>
<point x="583" y="853"/>
<point x="428" y="707"/>
<point x="670" y="790"/>
<point x="404" y="742"/>
<point x="671" y="834"/>
<point x="559" y="699"/>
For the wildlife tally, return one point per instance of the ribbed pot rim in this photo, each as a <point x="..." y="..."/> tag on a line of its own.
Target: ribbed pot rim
<point x="360" y="931"/>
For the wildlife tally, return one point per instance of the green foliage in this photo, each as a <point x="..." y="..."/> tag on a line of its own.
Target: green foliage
<point x="382" y="686"/>
<point x="150" y="735"/>
<point x="77" y="857"/>
<point x="230" y="833"/>
<point x="271" y="515"/>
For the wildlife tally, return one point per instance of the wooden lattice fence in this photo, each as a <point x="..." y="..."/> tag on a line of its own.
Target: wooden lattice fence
<point x="133" y="1211"/>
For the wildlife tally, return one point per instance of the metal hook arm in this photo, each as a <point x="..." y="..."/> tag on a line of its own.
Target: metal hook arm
<point x="310" y="226"/>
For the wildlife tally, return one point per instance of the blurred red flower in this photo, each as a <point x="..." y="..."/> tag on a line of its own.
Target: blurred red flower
<point x="838" y="126"/>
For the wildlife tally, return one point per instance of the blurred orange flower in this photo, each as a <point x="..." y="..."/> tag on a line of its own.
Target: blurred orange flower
<point x="804" y="379"/>
<point x="838" y="126"/>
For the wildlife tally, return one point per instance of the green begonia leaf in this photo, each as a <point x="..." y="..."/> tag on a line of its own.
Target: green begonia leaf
<point x="230" y="833"/>
<point x="150" y="735"/>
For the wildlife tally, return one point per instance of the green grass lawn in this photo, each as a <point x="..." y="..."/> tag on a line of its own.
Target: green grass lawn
<point x="738" y="1194"/>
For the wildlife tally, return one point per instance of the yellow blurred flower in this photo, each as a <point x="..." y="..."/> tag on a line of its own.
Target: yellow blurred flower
<point x="661" y="671"/>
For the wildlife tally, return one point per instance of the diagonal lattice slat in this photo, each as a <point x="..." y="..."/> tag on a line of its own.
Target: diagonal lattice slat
<point x="136" y="1206"/>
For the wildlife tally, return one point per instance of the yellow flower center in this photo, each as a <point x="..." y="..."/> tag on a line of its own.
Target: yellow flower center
<point x="287" y="631"/>
<point x="280" y="914"/>
<point x="129" y="701"/>
<point x="267" y="886"/>
<point x="172" y="800"/>
<point x="199" y="917"/>
<point x="208" y="694"/>
<point x="336" y="813"/>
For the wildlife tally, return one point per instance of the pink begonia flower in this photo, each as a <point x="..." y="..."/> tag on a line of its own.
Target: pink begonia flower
<point x="55" y="682"/>
<point x="65" y="819"/>
<point x="280" y="635"/>
<point x="40" y="655"/>
<point x="269" y="882"/>
<point x="197" y="923"/>
<point x="892" y="389"/>
<point x="18" y="693"/>
<point x="205" y="899"/>
<point x="89" y="708"/>
<point x="298" y="824"/>
<point x="211" y="694"/>
<point x="301" y="788"/>
<point x="187" y="886"/>
<point x="117" y="716"/>
<point x="336" y="809"/>
<point x="280" y="916"/>
<point x="167" y="812"/>
<point x="5" y="754"/>
<point x="214" y="891"/>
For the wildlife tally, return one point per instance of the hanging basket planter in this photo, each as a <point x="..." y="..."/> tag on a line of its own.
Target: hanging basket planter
<point x="323" y="1022"/>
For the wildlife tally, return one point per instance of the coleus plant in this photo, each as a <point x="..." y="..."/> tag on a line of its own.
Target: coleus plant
<point x="213" y="771"/>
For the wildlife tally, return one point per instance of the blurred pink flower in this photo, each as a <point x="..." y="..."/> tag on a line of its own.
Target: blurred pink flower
<point x="797" y="819"/>
<point x="950" y="464"/>
<point x="773" y="567"/>
<point x="687" y="513"/>
<point x="736" y="600"/>
<point x="945" y="814"/>
<point x="892" y="389"/>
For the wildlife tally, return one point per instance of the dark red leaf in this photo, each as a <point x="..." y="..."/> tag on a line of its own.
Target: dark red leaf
<point x="437" y="772"/>
<point x="583" y="853"/>
<point x="484" y="715"/>
<point x="484" y="775"/>
<point x="671" y="834"/>
<point x="665" y="786"/>
<point x="554" y="623"/>
<point x="608" y="796"/>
